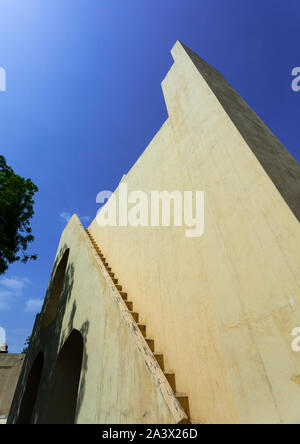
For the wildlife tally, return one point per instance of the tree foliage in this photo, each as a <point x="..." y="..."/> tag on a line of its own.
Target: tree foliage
<point x="16" y="211"/>
<point x="26" y="344"/>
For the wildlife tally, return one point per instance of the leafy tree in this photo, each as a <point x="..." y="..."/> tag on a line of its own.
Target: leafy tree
<point x="26" y="344"/>
<point x="16" y="210"/>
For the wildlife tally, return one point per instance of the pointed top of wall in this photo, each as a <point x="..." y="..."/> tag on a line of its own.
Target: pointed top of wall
<point x="282" y="168"/>
<point x="181" y="50"/>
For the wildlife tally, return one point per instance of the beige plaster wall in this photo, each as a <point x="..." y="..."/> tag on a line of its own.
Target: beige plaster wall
<point x="221" y="307"/>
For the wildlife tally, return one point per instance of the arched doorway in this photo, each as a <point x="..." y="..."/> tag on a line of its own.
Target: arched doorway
<point x="56" y="290"/>
<point x="63" y="394"/>
<point x="31" y="390"/>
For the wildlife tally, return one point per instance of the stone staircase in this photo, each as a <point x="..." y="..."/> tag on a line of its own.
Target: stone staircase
<point x="170" y="376"/>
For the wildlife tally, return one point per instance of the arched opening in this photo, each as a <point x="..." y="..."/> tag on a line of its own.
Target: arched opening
<point x="63" y="395"/>
<point x="56" y="290"/>
<point x="31" y="390"/>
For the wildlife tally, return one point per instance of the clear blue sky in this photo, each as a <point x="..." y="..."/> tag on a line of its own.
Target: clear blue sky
<point x="83" y="100"/>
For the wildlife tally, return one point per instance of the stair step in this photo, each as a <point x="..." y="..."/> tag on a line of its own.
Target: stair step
<point x="123" y="295"/>
<point x="171" y="380"/>
<point x="150" y="343"/>
<point x="160" y="360"/>
<point x="128" y="303"/>
<point x="184" y="401"/>
<point x="135" y="316"/>
<point x="142" y="328"/>
<point x="182" y="397"/>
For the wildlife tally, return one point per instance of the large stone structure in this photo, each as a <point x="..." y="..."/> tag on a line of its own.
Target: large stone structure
<point x="201" y="328"/>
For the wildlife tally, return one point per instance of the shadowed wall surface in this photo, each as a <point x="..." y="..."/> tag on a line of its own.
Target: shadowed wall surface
<point x="63" y="398"/>
<point x="31" y="390"/>
<point x="56" y="290"/>
<point x="278" y="163"/>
